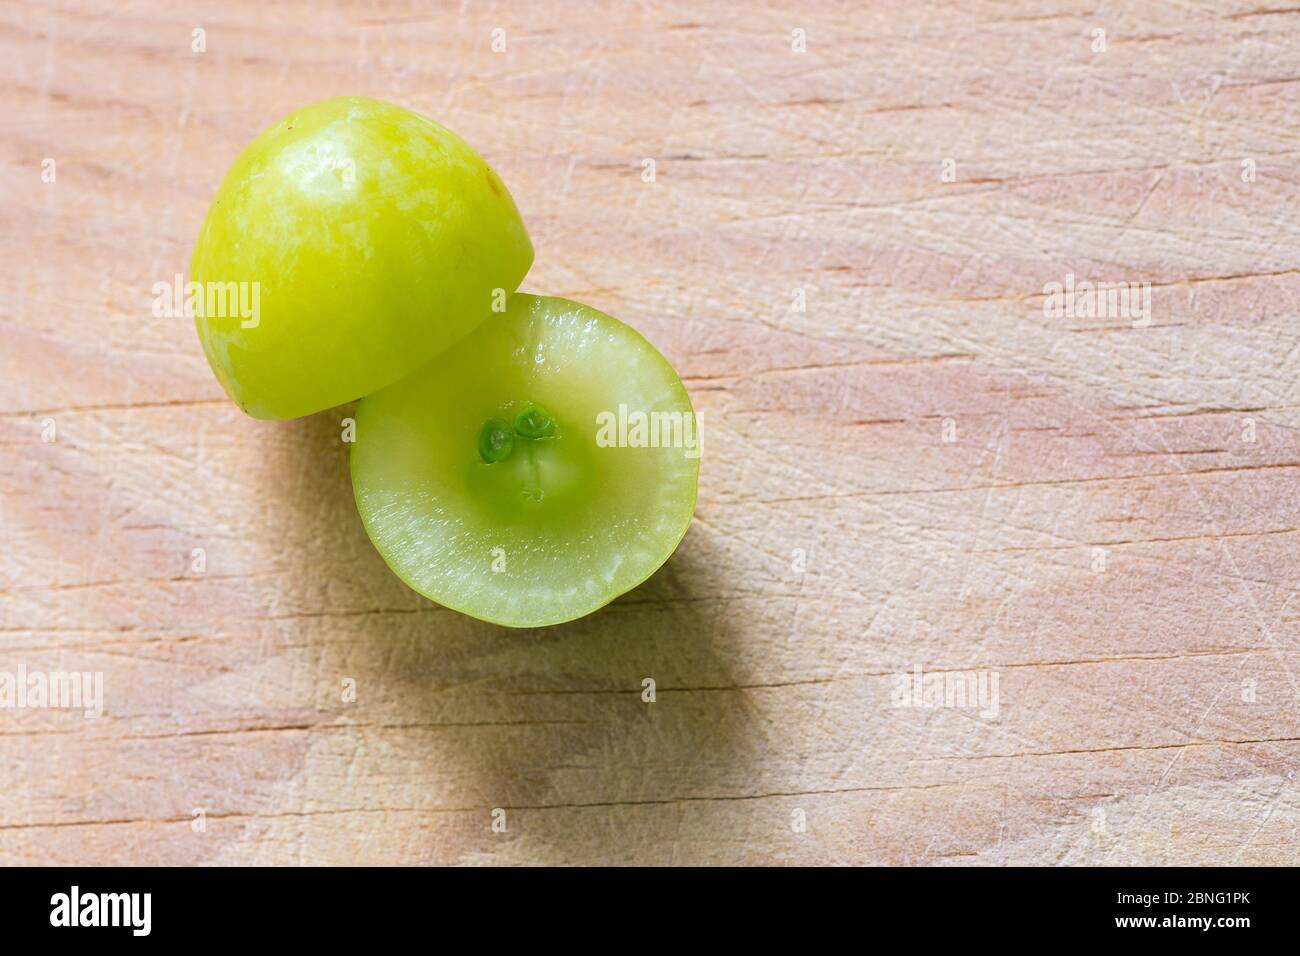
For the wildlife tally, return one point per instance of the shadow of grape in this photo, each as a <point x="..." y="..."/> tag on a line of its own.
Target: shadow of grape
<point x="576" y="732"/>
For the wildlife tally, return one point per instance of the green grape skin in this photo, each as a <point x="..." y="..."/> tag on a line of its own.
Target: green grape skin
<point x="566" y="521"/>
<point x="376" y="239"/>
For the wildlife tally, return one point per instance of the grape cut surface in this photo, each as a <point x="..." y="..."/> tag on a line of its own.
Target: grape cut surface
<point x="588" y="498"/>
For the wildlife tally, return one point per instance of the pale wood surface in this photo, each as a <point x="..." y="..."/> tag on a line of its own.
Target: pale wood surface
<point x="1148" y="712"/>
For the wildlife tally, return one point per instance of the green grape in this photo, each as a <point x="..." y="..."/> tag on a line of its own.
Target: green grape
<point x="359" y="240"/>
<point x="590" y="495"/>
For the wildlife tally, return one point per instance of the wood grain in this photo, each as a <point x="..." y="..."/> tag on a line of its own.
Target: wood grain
<point x="1099" y="532"/>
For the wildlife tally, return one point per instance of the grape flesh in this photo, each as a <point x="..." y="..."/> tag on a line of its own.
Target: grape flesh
<point x="595" y="492"/>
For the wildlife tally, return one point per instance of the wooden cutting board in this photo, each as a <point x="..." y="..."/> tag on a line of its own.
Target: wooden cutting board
<point x="918" y="462"/>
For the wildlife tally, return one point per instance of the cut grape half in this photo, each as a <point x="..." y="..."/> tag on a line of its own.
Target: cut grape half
<point x="535" y="471"/>
<point x="348" y="244"/>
